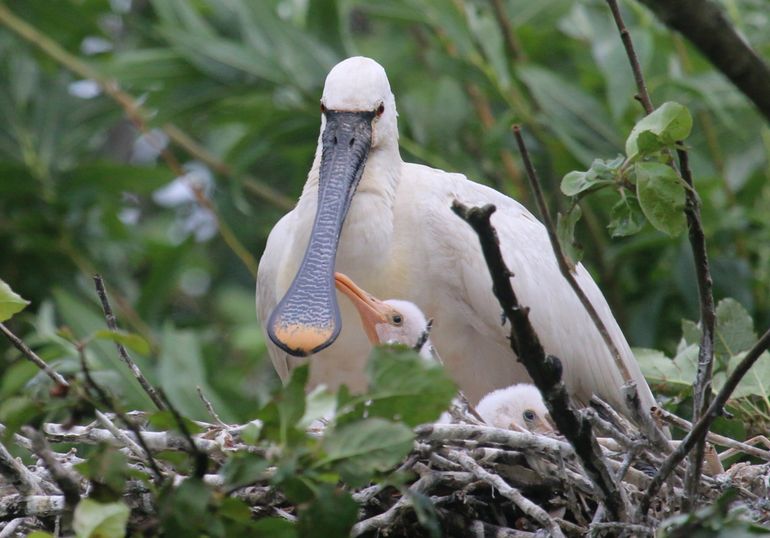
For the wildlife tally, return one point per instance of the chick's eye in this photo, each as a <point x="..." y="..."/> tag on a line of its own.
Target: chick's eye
<point x="381" y="109"/>
<point x="397" y="319"/>
<point x="529" y="415"/>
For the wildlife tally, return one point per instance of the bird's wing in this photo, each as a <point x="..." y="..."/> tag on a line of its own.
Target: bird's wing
<point x="563" y="325"/>
<point x="268" y="288"/>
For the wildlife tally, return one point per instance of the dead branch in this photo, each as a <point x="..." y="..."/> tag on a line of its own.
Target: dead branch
<point x="545" y="370"/>
<point x="704" y="23"/>
<point x="642" y="415"/>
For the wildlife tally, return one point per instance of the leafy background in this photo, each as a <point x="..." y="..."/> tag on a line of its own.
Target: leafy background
<point x="83" y="188"/>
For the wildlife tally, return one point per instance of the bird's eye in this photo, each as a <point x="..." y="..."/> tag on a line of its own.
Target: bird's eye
<point x="323" y="108"/>
<point x="529" y="415"/>
<point x="397" y="319"/>
<point x="381" y="109"/>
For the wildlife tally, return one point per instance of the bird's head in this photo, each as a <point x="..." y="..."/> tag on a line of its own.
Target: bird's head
<point x="360" y="86"/>
<point x="392" y="321"/>
<point x="358" y="117"/>
<point x="518" y="407"/>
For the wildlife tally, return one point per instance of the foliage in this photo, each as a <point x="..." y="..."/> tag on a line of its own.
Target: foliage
<point x="84" y="188"/>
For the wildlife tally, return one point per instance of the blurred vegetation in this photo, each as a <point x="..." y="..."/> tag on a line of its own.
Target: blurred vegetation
<point x="89" y="184"/>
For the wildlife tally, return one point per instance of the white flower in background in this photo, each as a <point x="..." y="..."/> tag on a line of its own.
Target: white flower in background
<point x="148" y="146"/>
<point x="84" y="89"/>
<point x="191" y="219"/>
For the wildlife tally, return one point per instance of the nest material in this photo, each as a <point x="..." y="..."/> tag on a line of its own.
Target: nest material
<point x="465" y="477"/>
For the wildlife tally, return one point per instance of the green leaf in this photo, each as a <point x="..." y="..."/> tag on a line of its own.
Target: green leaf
<point x="405" y="387"/>
<point x="320" y="403"/>
<point x="565" y="230"/>
<point x="15" y="377"/>
<point x="10" y="302"/>
<point x="664" y="126"/>
<point x="359" y="449"/>
<point x="625" y="217"/>
<point x="734" y="329"/>
<point x="601" y="172"/>
<point x="132" y="341"/>
<point x="661" y="196"/>
<point x="281" y="416"/>
<point x="100" y="520"/>
<point x="184" y="509"/>
<point x="756" y="382"/>
<point x="107" y="468"/>
<point x="181" y="369"/>
<point x="331" y="514"/>
<point x="273" y="527"/>
<point x="671" y="376"/>
<point x="241" y="469"/>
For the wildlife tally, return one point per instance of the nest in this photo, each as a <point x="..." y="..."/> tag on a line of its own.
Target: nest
<point x="462" y="478"/>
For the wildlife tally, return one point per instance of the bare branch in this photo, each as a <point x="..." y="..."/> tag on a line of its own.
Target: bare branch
<point x="23" y="480"/>
<point x="109" y="404"/>
<point x="711" y="437"/>
<point x="702" y="385"/>
<point x="15" y="506"/>
<point x="112" y="324"/>
<point x="209" y="407"/>
<point x="31" y="355"/>
<point x="200" y="461"/>
<point x="545" y="370"/>
<point x="67" y="482"/>
<point x="703" y="22"/>
<point x="698" y="433"/>
<point x="524" y="504"/>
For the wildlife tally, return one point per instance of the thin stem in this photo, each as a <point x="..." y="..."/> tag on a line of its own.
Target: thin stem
<point x="31" y="355"/>
<point x="702" y="385"/>
<point x="112" y="324"/>
<point x="701" y="428"/>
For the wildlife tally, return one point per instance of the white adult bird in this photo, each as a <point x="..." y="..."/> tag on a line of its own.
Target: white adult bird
<point x="388" y="225"/>
<point x="518" y="407"/>
<point x="392" y="321"/>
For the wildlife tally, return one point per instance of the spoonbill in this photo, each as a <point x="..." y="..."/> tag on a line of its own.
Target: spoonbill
<point x="392" y="321"/>
<point x="518" y="407"/>
<point x="388" y="225"/>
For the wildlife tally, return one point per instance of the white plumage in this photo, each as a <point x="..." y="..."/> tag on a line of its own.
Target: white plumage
<point x="518" y="407"/>
<point x="401" y="239"/>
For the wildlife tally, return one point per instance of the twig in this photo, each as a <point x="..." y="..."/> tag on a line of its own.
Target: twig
<point x="112" y="324"/>
<point x="11" y="527"/>
<point x="712" y="437"/>
<point x="15" y="506"/>
<point x="625" y="36"/>
<point x="31" y="355"/>
<point x="121" y="436"/>
<point x="567" y="272"/>
<point x="199" y="457"/>
<point x="700" y="429"/>
<point x="23" y="480"/>
<point x="509" y="36"/>
<point x="524" y="504"/>
<point x="210" y="407"/>
<point x="702" y="385"/>
<point x="109" y="404"/>
<point x="68" y="484"/>
<point x="704" y="23"/>
<point x="545" y="370"/>
<point x="622" y="529"/>
<point x="155" y="441"/>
